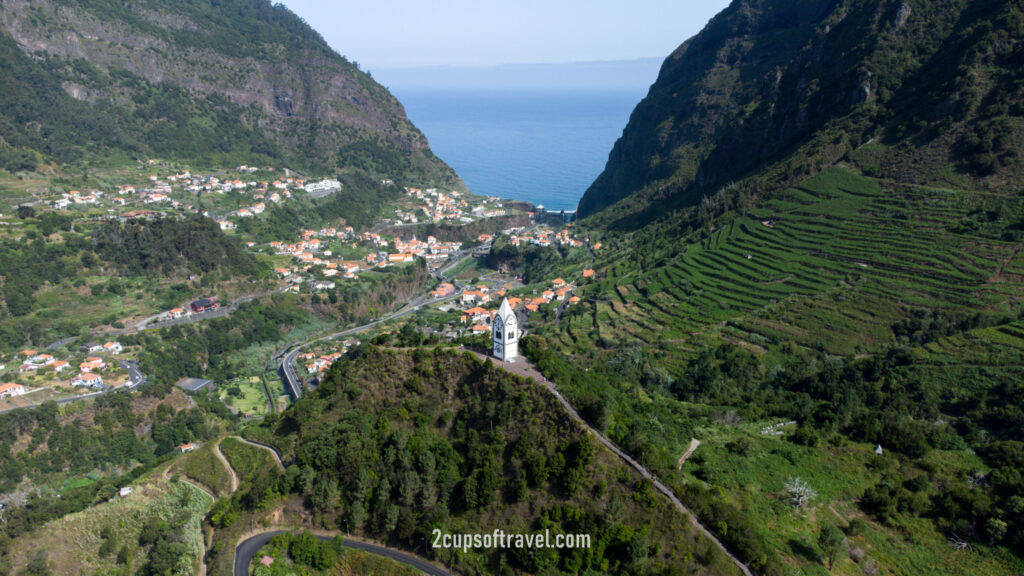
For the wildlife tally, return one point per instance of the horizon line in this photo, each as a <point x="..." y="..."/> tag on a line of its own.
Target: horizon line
<point x="512" y="64"/>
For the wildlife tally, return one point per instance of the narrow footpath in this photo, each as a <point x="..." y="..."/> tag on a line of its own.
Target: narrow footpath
<point x="694" y="444"/>
<point x="273" y="451"/>
<point x="224" y="461"/>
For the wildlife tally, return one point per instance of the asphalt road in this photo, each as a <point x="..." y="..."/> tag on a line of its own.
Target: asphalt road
<point x="291" y="378"/>
<point x="135" y="376"/>
<point x="245" y="552"/>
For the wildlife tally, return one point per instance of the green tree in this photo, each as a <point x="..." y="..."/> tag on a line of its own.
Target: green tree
<point x="831" y="541"/>
<point x="996" y="530"/>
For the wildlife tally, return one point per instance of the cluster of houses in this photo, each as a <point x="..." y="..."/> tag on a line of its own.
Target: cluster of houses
<point x="319" y="363"/>
<point x="159" y="190"/>
<point x="545" y="237"/>
<point x="310" y="253"/>
<point x="196" y="307"/>
<point x="431" y="250"/>
<point x="480" y="318"/>
<point x="436" y="206"/>
<point x="311" y="256"/>
<point x="88" y="370"/>
<point x="430" y="205"/>
<point x="76" y="197"/>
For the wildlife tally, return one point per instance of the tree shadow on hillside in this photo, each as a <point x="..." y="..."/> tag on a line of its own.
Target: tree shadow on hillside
<point x="804" y="550"/>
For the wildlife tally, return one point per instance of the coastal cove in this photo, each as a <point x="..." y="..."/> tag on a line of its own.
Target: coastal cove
<point x="545" y="147"/>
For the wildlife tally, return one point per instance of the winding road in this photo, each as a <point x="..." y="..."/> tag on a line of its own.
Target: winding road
<point x="246" y="551"/>
<point x="291" y="379"/>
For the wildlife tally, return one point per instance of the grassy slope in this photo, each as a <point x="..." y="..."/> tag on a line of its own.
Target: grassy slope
<point x="845" y="258"/>
<point x="73" y="542"/>
<point x="203" y="467"/>
<point x="248" y="461"/>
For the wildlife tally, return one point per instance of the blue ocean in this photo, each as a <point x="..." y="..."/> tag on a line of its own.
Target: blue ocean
<point x="539" y="145"/>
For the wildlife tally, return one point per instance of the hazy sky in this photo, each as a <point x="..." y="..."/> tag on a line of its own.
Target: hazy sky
<point x="406" y="33"/>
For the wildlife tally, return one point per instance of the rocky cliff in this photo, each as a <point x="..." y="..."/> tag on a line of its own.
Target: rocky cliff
<point x="196" y="79"/>
<point x="792" y="87"/>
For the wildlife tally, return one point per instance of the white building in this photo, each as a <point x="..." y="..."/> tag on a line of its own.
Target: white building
<point x="326" y="185"/>
<point x="90" y="379"/>
<point x="505" y="333"/>
<point x="11" y="389"/>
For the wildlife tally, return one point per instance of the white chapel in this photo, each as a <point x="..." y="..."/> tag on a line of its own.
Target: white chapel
<point x="505" y="332"/>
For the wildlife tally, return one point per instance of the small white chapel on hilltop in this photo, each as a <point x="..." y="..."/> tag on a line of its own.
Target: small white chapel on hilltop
<point x="505" y="333"/>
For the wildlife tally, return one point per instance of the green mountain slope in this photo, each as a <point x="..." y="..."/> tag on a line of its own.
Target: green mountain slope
<point x="815" y="217"/>
<point x="208" y="82"/>
<point x="394" y="444"/>
<point x="771" y="92"/>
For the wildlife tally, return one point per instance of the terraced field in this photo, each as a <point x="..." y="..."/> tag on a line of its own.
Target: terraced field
<point x="829" y="264"/>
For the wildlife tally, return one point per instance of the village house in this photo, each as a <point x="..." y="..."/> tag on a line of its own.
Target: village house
<point x="36" y="362"/>
<point x="61" y="365"/>
<point x="175" y="313"/>
<point x="89" y="379"/>
<point x="470" y="297"/>
<point x="443" y="290"/>
<point x="476" y="315"/>
<point x="112" y="347"/>
<point x="11" y="389"/>
<point x="187" y="447"/>
<point x="92" y="363"/>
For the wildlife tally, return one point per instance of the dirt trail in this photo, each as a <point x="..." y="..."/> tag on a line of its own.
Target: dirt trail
<point x="224" y="461"/>
<point x="694" y="443"/>
<point x="273" y="451"/>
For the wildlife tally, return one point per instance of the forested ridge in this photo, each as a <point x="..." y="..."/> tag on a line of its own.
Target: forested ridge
<point x="168" y="245"/>
<point x="395" y="443"/>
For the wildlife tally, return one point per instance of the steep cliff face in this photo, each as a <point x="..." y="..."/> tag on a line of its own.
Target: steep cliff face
<point x="178" y="72"/>
<point x="810" y="82"/>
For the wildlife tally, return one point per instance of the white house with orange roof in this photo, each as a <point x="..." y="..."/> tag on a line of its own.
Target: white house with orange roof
<point x="11" y="389"/>
<point x="92" y="363"/>
<point x="175" y="313"/>
<point x="89" y="379"/>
